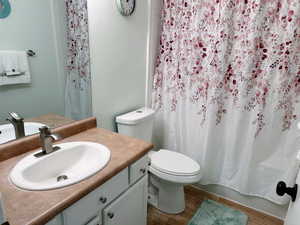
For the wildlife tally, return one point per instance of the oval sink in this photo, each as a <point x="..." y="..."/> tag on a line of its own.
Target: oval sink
<point x="8" y="131"/>
<point x="72" y="163"/>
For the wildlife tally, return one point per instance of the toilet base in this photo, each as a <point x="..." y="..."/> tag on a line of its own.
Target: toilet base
<point x="166" y="196"/>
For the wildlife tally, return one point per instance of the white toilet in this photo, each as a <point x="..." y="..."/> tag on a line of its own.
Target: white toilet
<point x="169" y="171"/>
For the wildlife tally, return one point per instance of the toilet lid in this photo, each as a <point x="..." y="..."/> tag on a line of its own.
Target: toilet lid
<point x="174" y="163"/>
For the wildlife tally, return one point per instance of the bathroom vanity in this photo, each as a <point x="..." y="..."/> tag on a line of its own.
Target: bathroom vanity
<point x="120" y="200"/>
<point x="117" y="194"/>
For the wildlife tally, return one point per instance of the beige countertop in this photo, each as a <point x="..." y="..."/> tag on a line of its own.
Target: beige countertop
<point x="38" y="207"/>
<point x="51" y="120"/>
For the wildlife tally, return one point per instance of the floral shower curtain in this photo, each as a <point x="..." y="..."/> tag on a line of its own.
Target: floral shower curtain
<point x="78" y="82"/>
<point x="226" y="89"/>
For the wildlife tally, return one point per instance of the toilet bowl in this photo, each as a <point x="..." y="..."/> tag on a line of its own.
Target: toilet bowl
<point x="169" y="171"/>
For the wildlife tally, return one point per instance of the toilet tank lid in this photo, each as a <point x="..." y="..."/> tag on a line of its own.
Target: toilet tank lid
<point x="136" y="116"/>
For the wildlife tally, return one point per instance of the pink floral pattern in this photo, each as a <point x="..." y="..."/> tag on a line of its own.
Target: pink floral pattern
<point x="78" y="63"/>
<point x="244" y="53"/>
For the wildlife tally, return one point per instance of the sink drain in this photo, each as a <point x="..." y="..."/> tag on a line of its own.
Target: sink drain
<point x="62" y="177"/>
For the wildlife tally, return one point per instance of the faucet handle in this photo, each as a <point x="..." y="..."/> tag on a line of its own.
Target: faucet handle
<point x="46" y="140"/>
<point x="15" y="116"/>
<point x="55" y="137"/>
<point x="44" y="131"/>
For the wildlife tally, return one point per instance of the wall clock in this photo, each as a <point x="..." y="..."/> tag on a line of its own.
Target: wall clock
<point x="126" y="7"/>
<point x="5" y="9"/>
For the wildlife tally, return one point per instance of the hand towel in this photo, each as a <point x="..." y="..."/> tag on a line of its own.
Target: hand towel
<point x="14" y="68"/>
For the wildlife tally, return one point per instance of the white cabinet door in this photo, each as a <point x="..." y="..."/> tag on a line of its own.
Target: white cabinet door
<point x="87" y="208"/>
<point x="95" y="221"/>
<point x="56" y="221"/>
<point x="138" y="169"/>
<point x="130" y="208"/>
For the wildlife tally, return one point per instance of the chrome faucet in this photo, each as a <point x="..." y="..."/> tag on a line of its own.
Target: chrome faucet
<point x="47" y="139"/>
<point x="18" y="122"/>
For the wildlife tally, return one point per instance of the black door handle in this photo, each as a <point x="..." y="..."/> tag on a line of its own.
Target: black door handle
<point x="283" y="189"/>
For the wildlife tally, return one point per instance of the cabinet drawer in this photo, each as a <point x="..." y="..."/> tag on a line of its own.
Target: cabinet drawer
<point x="83" y="211"/>
<point x="138" y="169"/>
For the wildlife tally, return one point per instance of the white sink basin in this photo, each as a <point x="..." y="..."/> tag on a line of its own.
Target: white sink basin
<point x="8" y="132"/>
<point x="71" y="164"/>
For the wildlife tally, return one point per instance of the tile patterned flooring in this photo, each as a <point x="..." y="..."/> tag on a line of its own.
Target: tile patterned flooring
<point x="194" y="197"/>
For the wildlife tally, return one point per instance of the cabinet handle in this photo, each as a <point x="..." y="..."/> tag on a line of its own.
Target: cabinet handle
<point x="143" y="170"/>
<point x="110" y="215"/>
<point x="103" y="200"/>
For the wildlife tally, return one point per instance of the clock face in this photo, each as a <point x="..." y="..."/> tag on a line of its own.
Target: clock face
<point x="126" y="7"/>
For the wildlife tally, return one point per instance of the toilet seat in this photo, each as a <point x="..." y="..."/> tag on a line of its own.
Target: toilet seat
<point x="174" y="167"/>
<point x="174" y="178"/>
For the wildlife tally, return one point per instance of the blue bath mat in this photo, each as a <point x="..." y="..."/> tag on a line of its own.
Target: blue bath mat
<point x="213" y="213"/>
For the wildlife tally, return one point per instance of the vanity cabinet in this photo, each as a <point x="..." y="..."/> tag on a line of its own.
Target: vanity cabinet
<point x="122" y="200"/>
<point x="87" y="208"/>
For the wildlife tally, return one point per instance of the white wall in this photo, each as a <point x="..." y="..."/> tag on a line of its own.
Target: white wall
<point x="153" y="44"/>
<point x="32" y="25"/>
<point x="118" y="59"/>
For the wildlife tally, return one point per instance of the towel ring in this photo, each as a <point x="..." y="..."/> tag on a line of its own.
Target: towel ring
<point x="31" y="53"/>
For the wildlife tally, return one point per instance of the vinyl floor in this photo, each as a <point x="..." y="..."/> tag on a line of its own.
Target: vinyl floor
<point x="194" y="197"/>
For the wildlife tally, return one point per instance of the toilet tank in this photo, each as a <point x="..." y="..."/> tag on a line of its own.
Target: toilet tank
<point x="137" y="124"/>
